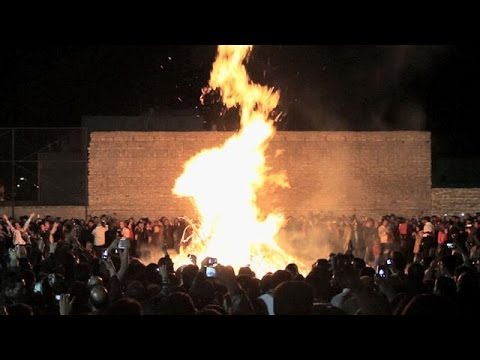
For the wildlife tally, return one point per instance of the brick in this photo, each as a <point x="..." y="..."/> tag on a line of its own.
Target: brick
<point x="373" y="172"/>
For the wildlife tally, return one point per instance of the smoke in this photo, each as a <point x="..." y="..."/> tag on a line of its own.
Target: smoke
<point x="350" y="87"/>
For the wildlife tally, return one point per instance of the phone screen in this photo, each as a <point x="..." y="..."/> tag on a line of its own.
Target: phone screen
<point x="58" y="297"/>
<point x="211" y="272"/>
<point x="105" y="255"/>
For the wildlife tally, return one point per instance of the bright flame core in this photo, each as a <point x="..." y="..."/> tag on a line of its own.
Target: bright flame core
<point x="223" y="181"/>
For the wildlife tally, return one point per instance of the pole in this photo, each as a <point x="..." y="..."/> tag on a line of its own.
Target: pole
<point x="13" y="173"/>
<point x="85" y="158"/>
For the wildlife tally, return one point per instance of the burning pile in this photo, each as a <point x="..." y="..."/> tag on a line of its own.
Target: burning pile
<point x="224" y="181"/>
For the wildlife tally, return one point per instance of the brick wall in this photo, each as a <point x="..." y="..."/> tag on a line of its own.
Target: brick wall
<point x="132" y="173"/>
<point x="455" y="201"/>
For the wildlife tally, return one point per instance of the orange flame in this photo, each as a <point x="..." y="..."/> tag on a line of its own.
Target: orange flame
<point x="223" y="181"/>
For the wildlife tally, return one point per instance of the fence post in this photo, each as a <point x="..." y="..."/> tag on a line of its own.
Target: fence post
<point x="13" y="173"/>
<point x="85" y="147"/>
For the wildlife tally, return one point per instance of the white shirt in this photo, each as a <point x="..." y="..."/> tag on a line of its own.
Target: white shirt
<point x="99" y="235"/>
<point x="268" y="300"/>
<point x="17" y="238"/>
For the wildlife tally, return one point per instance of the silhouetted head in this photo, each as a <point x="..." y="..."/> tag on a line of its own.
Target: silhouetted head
<point x="188" y="275"/>
<point x="293" y="298"/>
<point x="292" y="269"/>
<point x="136" y="290"/>
<point x="368" y="271"/>
<point x="125" y="306"/>
<point x="266" y="283"/>
<point x="445" y="286"/>
<point x="415" y="272"/>
<point x="99" y="297"/>
<point x="178" y="303"/>
<point x="279" y="277"/>
<point x="467" y="284"/>
<point x="13" y="285"/>
<point x="94" y="281"/>
<point x="429" y="305"/>
<point x="246" y="271"/>
<point x="204" y="294"/>
<point x="398" y="263"/>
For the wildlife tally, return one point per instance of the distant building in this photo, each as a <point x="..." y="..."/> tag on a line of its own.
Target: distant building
<point x="171" y="120"/>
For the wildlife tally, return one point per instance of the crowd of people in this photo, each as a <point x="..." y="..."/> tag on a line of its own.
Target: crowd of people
<point x="108" y="266"/>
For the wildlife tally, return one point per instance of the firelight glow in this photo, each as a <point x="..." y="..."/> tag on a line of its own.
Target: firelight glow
<point x="224" y="181"/>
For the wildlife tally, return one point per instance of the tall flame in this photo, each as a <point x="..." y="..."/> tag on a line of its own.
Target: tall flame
<point x="223" y="181"/>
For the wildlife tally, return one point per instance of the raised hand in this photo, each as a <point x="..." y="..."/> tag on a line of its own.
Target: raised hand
<point x="66" y="303"/>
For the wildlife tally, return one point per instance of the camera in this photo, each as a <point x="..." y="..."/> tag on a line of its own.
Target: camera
<point x="211" y="272"/>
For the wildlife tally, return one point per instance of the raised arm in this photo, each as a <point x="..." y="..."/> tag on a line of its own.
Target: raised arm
<point x="52" y="232"/>
<point x="9" y="224"/>
<point x="27" y="224"/>
<point x="124" y="260"/>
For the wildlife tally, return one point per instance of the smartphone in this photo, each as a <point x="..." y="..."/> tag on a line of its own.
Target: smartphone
<point x="381" y="271"/>
<point x="389" y="261"/>
<point x="38" y="287"/>
<point x="451" y="245"/>
<point x="211" y="272"/>
<point x="212" y="261"/>
<point x="58" y="297"/>
<point x="105" y="254"/>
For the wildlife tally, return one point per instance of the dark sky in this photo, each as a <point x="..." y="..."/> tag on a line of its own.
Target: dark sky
<point x="322" y="87"/>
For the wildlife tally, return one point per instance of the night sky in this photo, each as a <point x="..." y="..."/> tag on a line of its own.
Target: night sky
<point x="322" y="87"/>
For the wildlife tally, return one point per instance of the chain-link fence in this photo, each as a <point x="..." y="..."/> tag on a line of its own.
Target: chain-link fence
<point x="43" y="166"/>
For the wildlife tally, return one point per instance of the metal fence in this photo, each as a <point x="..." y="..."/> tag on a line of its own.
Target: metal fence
<point x="43" y="166"/>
